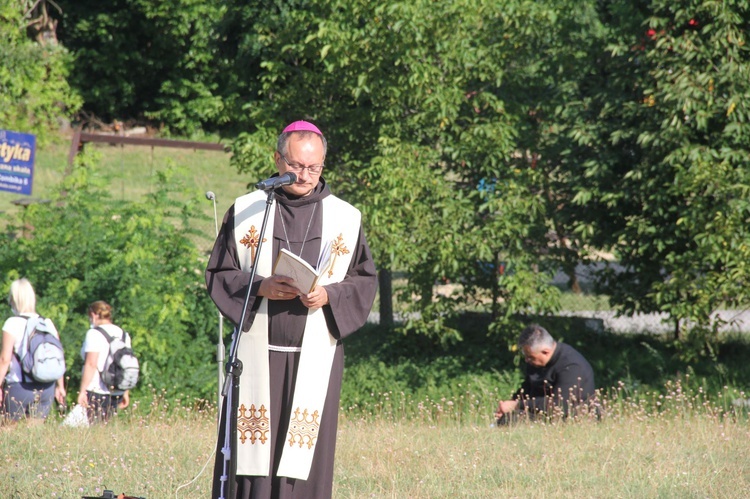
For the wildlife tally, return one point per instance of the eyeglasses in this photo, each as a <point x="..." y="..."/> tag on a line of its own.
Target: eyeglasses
<point x="312" y="169"/>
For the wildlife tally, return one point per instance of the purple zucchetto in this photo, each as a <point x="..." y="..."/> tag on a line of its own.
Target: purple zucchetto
<point x="302" y="126"/>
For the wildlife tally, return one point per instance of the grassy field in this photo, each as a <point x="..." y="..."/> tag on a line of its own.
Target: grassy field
<point x="686" y="448"/>
<point x="691" y="457"/>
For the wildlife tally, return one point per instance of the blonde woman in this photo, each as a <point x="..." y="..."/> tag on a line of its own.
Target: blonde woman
<point x="21" y="396"/>
<point x="100" y="400"/>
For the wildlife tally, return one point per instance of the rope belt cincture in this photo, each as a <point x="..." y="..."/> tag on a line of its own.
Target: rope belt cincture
<point x="277" y="348"/>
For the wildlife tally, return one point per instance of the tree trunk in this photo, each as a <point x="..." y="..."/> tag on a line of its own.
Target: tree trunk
<point x="496" y="272"/>
<point x="40" y="26"/>
<point x="385" y="283"/>
<point x="574" y="283"/>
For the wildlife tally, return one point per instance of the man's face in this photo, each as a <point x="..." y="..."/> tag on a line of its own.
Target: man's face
<point x="538" y="357"/>
<point x="301" y="152"/>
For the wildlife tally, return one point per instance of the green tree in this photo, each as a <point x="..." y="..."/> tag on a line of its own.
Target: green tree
<point x="414" y="100"/>
<point x="34" y="92"/>
<point x="665" y="155"/>
<point x="140" y="58"/>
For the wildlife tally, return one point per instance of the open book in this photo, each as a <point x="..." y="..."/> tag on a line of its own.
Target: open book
<point x="304" y="275"/>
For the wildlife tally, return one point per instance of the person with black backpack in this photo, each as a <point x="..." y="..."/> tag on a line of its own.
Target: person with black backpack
<point x="99" y="394"/>
<point x="32" y="362"/>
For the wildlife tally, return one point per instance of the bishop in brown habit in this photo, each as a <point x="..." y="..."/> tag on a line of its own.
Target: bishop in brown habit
<point x="291" y="349"/>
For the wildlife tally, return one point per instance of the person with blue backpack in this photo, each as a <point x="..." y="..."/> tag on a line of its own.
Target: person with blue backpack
<point x="99" y="398"/>
<point x="32" y="362"/>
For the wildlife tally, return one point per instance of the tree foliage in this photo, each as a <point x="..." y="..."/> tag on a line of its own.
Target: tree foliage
<point x="488" y="145"/>
<point x="136" y="256"/>
<point x="409" y="95"/>
<point x="139" y="58"/>
<point x="667" y="150"/>
<point x="34" y="91"/>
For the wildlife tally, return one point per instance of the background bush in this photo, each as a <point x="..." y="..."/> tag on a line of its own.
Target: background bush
<point x="393" y="375"/>
<point x="142" y="257"/>
<point x="137" y="256"/>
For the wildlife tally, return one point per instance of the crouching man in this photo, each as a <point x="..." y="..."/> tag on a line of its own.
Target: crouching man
<point x="558" y="379"/>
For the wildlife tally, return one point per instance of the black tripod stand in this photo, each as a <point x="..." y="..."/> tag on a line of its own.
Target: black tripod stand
<point x="234" y="370"/>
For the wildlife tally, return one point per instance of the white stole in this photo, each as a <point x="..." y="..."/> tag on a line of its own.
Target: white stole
<point x="341" y="223"/>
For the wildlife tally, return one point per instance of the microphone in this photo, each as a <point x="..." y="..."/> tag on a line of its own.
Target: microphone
<point x="274" y="182"/>
<point x="212" y="197"/>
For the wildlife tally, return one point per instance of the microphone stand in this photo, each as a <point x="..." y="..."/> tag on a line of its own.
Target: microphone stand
<point x="234" y="370"/>
<point x="220" y="344"/>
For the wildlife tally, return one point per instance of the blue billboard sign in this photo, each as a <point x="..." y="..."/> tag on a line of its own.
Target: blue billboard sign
<point x="17" y="161"/>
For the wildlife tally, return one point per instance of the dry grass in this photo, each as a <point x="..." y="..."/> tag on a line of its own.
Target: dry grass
<point x="690" y="457"/>
<point x="143" y="456"/>
<point x="671" y="445"/>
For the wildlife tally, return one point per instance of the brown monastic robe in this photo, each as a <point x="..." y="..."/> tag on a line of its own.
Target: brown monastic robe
<point x="350" y="304"/>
